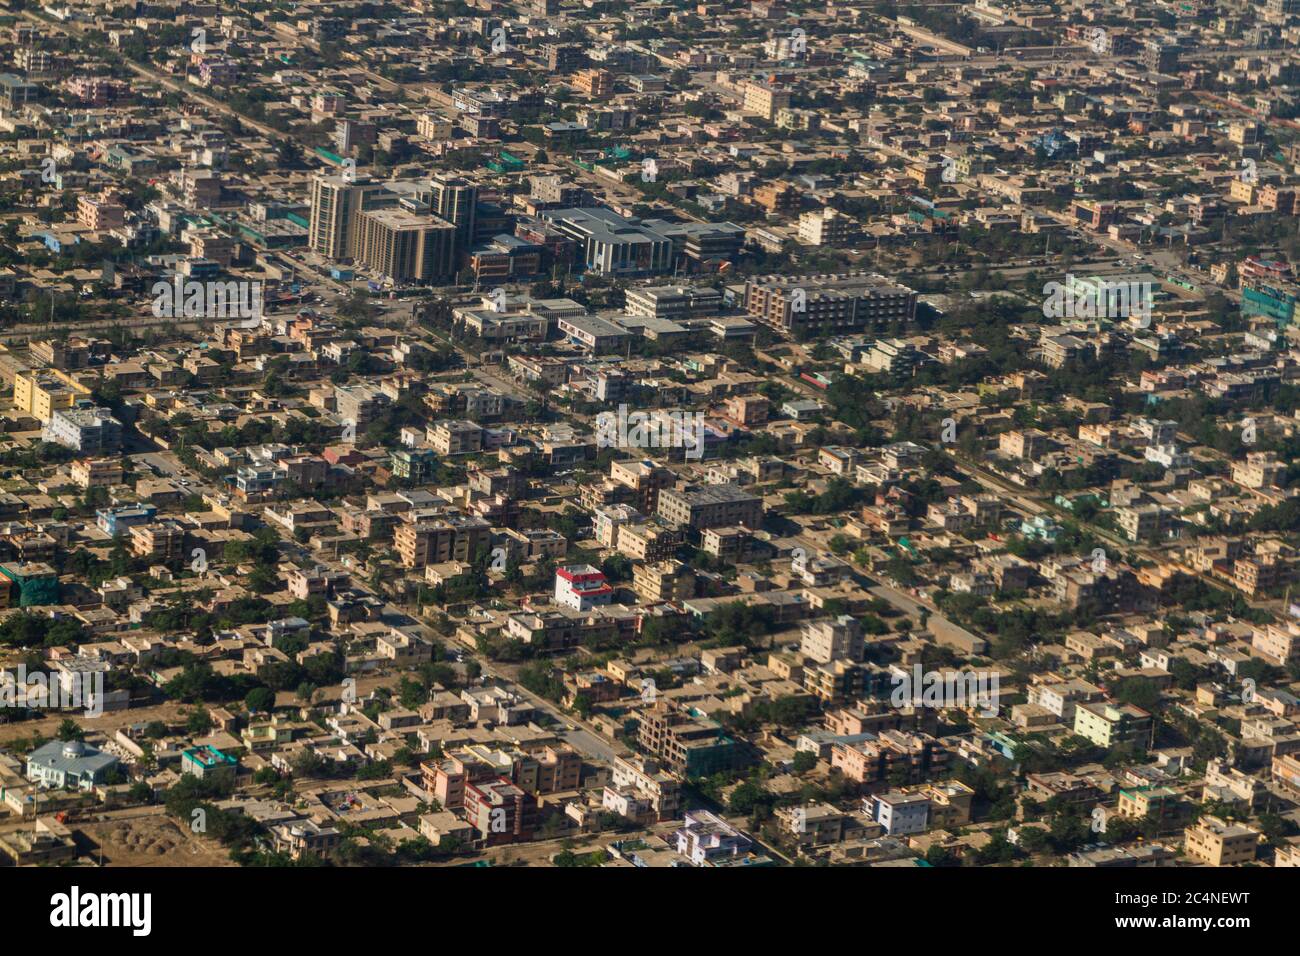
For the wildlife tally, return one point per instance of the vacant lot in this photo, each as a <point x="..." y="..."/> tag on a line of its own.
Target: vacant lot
<point x="153" y="840"/>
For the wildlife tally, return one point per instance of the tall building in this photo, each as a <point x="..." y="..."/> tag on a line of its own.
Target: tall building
<point x="404" y="245"/>
<point x="455" y="200"/>
<point x="336" y="203"/>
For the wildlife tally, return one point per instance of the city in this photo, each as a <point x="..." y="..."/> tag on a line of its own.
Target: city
<point x="609" y="434"/>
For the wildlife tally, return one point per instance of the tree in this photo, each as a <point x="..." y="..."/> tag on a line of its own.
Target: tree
<point x="68" y="730"/>
<point x="199" y="722"/>
<point x="307" y="763"/>
<point x="260" y="700"/>
<point x="804" y="761"/>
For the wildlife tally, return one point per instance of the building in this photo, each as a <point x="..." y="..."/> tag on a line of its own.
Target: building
<point x="688" y="746"/>
<point x="46" y="843"/>
<point x="710" y="506"/>
<point x="336" y="203"/>
<point x="358" y="405"/>
<point x="1269" y="300"/>
<point x="1215" y="842"/>
<point x="831" y="303"/>
<point x="96" y="472"/>
<point x="661" y="792"/>
<point x="673" y="302"/>
<point x="1278" y="644"/>
<point x="894" y="756"/>
<point x="1113" y="725"/>
<point x="611" y="244"/>
<point x="825" y="641"/>
<point x="765" y="100"/>
<point x="826" y="227"/>
<point x="663" y="581"/>
<point x="455" y="200"/>
<point x="207" y="762"/>
<point x="28" y="584"/>
<point x="43" y="392"/>
<point x="581" y="587"/>
<point x="900" y="813"/>
<point x="500" y="811"/>
<point x="100" y="214"/>
<point x="1141" y="803"/>
<point x="455" y="437"/>
<point x="92" y="430"/>
<point x="69" y="764"/>
<point x="705" y="839"/>
<point x="594" y="334"/>
<point x="162" y="543"/>
<point x="594" y="84"/>
<point x="305" y="838"/>
<point x="405" y="246"/>
<point x="15" y="92"/>
<point x="439" y="540"/>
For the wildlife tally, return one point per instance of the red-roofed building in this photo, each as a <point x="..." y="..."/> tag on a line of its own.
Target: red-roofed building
<point x="581" y="587"/>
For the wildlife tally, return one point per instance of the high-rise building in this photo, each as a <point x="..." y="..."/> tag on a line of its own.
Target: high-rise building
<point x="455" y="200"/>
<point x="405" y="246"/>
<point x="336" y="202"/>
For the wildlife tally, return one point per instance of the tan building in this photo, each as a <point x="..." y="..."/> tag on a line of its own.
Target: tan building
<point x="765" y="100"/>
<point x="336" y="203"/>
<point x="1261" y="469"/>
<point x="405" y="246"/>
<point x="455" y="538"/>
<point x="596" y="84"/>
<point x="777" y="197"/>
<point x="1215" y="842"/>
<point x="455" y="437"/>
<point x="644" y="477"/>
<point x="663" y="581"/>
<point x="96" y="472"/>
<point x="100" y="214"/>
<point x="649" y="541"/>
<point x="1277" y="644"/>
<point x="163" y="543"/>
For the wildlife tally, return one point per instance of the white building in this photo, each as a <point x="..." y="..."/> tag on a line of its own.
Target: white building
<point x="581" y="587"/>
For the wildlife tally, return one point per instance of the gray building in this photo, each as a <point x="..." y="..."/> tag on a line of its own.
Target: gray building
<point x="69" y="764"/>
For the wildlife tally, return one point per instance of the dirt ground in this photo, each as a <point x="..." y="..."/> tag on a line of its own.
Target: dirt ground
<point x="106" y="724"/>
<point x="153" y="840"/>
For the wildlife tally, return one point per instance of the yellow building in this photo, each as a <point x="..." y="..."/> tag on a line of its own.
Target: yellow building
<point x="1143" y="802"/>
<point x="42" y="392"/>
